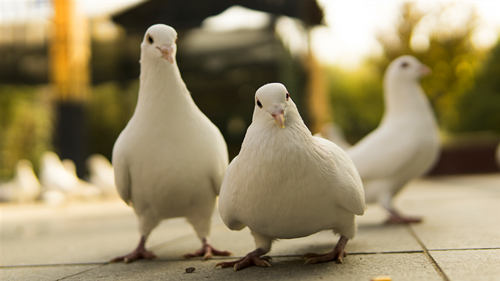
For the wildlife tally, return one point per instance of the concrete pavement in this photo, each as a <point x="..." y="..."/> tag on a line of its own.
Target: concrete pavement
<point x="458" y="240"/>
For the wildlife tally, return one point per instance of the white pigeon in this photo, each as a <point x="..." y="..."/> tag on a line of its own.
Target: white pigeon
<point x="55" y="175"/>
<point x="333" y="133"/>
<point x="24" y="187"/>
<point x="101" y="174"/>
<point x="170" y="159"/>
<point x="61" y="176"/>
<point x="286" y="183"/>
<point x="406" y="143"/>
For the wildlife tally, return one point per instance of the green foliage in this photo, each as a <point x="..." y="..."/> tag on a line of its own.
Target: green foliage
<point x="109" y="108"/>
<point x="25" y="126"/>
<point x="356" y="100"/>
<point x="480" y="106"/>
<point x="26" y="121"/>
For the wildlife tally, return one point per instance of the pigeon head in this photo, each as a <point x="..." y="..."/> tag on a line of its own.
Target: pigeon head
<point x="24" y="167"/>
<point x="159" y="43"/>
<point x="272" y="101"/>
<point x="407" y="68"/>
<point x="50" y="158"/>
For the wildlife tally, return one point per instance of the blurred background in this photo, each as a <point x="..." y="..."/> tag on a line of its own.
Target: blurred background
<point x="69" y="69"/>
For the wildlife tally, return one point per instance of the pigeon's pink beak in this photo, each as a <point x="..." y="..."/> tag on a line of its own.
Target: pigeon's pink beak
<point x="167" y="52"/>
<point x="425" y="70"/>
<point x="279" y="118"/>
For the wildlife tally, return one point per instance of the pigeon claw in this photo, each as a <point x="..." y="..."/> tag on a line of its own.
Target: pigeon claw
<point x="335" y="255"/>
<point x="137" y="254"/>
<point x="207" y="252"/>
<point x="247" y="261"/>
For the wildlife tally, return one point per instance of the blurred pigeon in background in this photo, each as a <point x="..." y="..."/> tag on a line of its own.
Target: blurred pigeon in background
<point x="24" y="187"/>
<point x="286" y="183"/>
<point x="170" y="159"/>
<point x="61" y="176"/>
<point x="54" y="175"/>
<point x="406" y="143"/>
<point x="101" y="174"/>
<point x="333" y="133"/>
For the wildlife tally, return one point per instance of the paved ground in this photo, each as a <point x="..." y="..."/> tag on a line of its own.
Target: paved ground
<point x="459" y="240"/>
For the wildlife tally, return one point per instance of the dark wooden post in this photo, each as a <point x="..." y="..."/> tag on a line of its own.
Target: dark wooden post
<point x="69" y="56"/>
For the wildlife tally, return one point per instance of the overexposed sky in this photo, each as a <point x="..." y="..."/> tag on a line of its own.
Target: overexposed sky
<point x="353" y="26"/>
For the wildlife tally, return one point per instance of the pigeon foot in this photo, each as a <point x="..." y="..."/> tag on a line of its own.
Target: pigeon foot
<point x="135" y="255"/>
<point x="207" y="252"/>
<point x="138" y="254"/>
<point x="251" y="259"/>
<point x="337" y="254"/>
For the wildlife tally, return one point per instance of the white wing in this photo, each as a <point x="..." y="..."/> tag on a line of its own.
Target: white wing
<point x="383" y="153"/>
<point x="221" y="157"/>
<point x="122" y="174"/>
<point x="349" y="192"/>
<point x="227" y="198"/>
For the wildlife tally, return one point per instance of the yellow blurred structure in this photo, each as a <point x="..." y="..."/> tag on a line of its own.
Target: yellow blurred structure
<point x="318" y="103"/>
<point x="69" y="52"/>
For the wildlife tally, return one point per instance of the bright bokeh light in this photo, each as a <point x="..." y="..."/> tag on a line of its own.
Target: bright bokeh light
<point x="352" y="26"/>
<point x="236" y="17"/>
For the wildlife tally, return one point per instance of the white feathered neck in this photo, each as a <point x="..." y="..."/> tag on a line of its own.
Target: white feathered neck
<point x="162" y="90"/>
<point x="404" y="98"/>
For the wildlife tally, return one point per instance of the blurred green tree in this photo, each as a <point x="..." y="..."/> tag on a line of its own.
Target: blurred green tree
<point x="356" y="100"/>
<point x="25" y="126"/>
<point x="110" y="107"/>
<point x="480" y="106"/>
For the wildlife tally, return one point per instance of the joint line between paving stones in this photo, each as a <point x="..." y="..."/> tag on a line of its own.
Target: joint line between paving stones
<point x="464" y="249"/>
<point x="428" y="255"/>
<point x="81" y="272"/>
<point x="52" y="265"/>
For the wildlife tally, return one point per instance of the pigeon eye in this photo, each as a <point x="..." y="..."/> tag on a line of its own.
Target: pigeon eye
<point x="287" y="96"/>
<point x="404" y="64"/>
<point x="259" y="104"/>
<point x="150" y="39"/>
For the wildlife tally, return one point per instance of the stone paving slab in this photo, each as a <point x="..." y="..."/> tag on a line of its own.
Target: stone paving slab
<point x="457" y="215"/>
<point x="42" y="273"/>
<point x="83" y="235"/>
<point x="356" y="267"/>
<point x="480" y="265"/>
<point x="40" y="242"/>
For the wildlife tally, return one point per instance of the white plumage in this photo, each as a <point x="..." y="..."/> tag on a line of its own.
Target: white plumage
<point x="55" y="175"/>
<point x="170" y="159"/>
<point x="286" y="183"/>
<point x="24" y="187"/>
<point x="406" y="143"/>
<point x="333" y="133"/>
<point x="101" y="174"/>
<point x="60" y="177"/>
